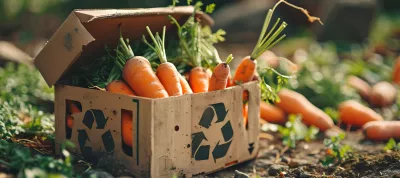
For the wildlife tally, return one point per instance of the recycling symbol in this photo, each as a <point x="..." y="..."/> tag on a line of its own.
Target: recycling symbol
<point x="88" y="120"/>
<point x="202" y="152"/>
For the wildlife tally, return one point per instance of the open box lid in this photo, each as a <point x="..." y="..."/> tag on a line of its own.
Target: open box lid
<point x="85" y="31"/>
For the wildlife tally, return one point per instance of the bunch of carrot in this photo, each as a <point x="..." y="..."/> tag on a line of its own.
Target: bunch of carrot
<point x="139" y="79"/>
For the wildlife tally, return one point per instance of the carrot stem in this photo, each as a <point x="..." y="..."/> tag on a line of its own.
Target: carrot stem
<point x="128" y="51"/>
<point x="267" y="41"/>
<point x="229" y="59"/>
<point x="159" y="43"/>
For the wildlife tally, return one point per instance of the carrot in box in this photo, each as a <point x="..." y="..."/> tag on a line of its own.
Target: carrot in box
<point x="198" y="50"/>
<point x="245" y="71"/>
<point x="166" y="71"/>
<point x="219" y="77"/>
<point x="139" y="75"/>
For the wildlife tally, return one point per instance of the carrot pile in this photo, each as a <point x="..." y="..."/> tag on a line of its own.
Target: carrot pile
<point x="203" y="71"/>
<point x="155" y="75"/>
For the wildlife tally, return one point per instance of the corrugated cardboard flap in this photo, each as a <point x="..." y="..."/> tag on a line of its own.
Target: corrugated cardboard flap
<point x="84" y="32"/>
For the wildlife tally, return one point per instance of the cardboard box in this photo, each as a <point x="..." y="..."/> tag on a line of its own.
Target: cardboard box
<point x="185" y="135"/>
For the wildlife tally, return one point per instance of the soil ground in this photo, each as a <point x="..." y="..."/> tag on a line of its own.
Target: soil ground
<point x="368" y="160"/>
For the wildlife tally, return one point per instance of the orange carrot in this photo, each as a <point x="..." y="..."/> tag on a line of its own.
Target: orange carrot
<point x="127" y="127"/>
<point x="382" y="130"/>
<point x="140" y="76"/>
<point x="166" y="71"/>
<point x="353" y="113"/>
<point x="120" y="87"/>
<point x="219" y="77"/>
<point x="271" y="113"/>
<point x="362" y="87"/>
<point x="245" y="111"/>
<point x="198" y="77"/>
<point x="170" y="78"/>
<point x="245" y="71"/>
<point x="72" y="107"/>
<point x="185" y="85"/>
<point x="72" y="110"/>
<point x="383" y="94"/>
<point x="198" y="80"/>
<point x="396" y="71"/>
<point x="70" y="121"/>
<point x="295" y="103"/>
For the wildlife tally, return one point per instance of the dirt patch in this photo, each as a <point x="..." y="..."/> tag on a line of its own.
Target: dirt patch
<point x="368" y="160"/>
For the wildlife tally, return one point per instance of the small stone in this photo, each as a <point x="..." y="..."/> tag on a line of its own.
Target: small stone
<point x="275" y="169"/>
<point x="239" y="174"/>
<point x="98" y="174"/>
<point x="285" y="159"/>
<point x="305" y="175"/>
<point x="297" y="162"/>
<point x="263" y="163"/>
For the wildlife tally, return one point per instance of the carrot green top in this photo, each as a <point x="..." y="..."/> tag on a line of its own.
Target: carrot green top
<point x="159" y="44"/>
<point x="268" y="40"/>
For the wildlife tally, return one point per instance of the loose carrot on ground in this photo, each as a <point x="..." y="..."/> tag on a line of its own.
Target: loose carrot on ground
<point x="139" y="75"/>
<point x="245" y="71"/>
<point x="166" y="71"/>
<point x="353" y="113"/>
<point x="362" y="87"/>
<point x="120" y="87"/>
<point x="396" y="71"/>
<point x="383" y="94"/>
<point x="271" y="113"/>
<point x="219" y="77"/>
<point x="185" y="85"/>
<point x="382" y="130"/>
<point x="295" y="103"/>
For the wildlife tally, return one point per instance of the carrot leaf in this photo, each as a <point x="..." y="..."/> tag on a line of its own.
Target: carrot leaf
<point x="268" y="40"/>
<point x="159" y="44"/>
<point x="210" y="8"/>
<point x="174" y="2"/>
<point x="229" y="59"/>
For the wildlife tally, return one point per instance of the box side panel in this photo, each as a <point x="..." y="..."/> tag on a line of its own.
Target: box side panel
<point x="96" y="130"/>
<point x="219" y="136"/>
<point x="215" y="130"/>
<point x="172" y="141"/>
<point x="251" y="133"/>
